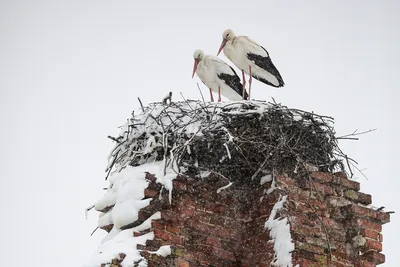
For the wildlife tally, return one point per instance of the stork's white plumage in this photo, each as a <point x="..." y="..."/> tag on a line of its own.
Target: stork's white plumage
<point x="218" y="76"/>
<point x="251" y="58"/>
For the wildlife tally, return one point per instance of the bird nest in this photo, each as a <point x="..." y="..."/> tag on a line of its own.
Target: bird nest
<point x="236" y="140"/>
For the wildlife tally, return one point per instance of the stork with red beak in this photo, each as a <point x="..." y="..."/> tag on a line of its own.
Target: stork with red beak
<point x="218" y="76"/>
<point x="251" y="58"/>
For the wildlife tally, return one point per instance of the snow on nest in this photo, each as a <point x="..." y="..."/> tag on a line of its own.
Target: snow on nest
<point x="145" y="135"/>
<point x="280" y="233"/>
<point x="179" y="132"/>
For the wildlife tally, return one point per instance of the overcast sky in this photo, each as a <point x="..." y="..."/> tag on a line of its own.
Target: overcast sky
<point x="71" y="72"/>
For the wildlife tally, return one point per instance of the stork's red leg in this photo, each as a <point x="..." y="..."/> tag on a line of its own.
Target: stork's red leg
<point x="250" y="80"/>
<point x="219" y="94"/>
<point x="244" y="83"/>
<point x="212" y="98"/>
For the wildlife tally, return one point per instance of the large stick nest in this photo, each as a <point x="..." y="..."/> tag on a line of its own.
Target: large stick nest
<point x="237" y="140"/>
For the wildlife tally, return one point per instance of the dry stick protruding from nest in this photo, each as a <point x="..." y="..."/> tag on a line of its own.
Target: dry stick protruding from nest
<point x="140" y="102"/>
<point x="94" y="231"/>
<point x="348" y="136"/>
<point x="112" y="165"/>
<point x="115" y="139"/>
<point x="202" y="97"/>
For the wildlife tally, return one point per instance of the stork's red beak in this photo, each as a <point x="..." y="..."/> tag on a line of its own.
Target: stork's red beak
<point x="196" y="61"/>
<point x="222" y="46"/>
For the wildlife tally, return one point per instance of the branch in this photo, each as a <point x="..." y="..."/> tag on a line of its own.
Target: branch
<point x="201" y="93"/>
<point x="355" y="134"/>
<point x="115" y="139"/>
<point x="140" y="101"/>
<point x="94" y="231"/>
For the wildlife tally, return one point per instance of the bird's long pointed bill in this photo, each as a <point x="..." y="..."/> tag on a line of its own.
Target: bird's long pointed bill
<point x="196" y="61"/>
<point x="222" y="46"/>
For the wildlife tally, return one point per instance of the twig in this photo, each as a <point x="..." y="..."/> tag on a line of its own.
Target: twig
<point x="115" y="139"/>
<point x="259" y="169"/>
<point x="111" y="166"/>
<point x="140" y="101"/>
<point x="94" y="231"/>
<point x="202" y="97"/>
<point x="355" y="134"/>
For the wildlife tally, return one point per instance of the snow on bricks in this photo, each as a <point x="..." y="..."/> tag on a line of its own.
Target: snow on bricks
<point x="246" y="183"/>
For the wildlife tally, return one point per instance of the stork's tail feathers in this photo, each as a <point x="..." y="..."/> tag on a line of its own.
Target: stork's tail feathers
<point x="281" y="83"/>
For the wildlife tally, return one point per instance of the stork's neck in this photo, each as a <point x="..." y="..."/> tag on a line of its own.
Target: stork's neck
<point x="229" y="48"/>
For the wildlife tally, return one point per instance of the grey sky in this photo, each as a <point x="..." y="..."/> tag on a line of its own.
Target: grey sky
<point x="70" y="72"/>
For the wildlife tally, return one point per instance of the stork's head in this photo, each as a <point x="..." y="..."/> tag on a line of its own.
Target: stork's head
<point x="198" y="56"/>
<point x="226" y="36"/>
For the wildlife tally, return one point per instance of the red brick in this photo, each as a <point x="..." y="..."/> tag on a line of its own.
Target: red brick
<point x="217" y="220"/>
<point x="322" y="176"/>
<point x="181" y="263"/>
<point x="336" y="178"/>
<point x="213" y="241"/>
<point x="157" y="224"/>
<point x="150" y="177"/>
<point x="304" y="219"/>
<point x="358" y="197"/>
<point x="373" y="244"/>
<point x="198" y="256"/>
<point x="338" y="264"/>
<point x="372" y="234"/>
<point x="366" y="264"/>
<point x="350" y="184"/>
<point x="179" y="186"/>
<point x="223" y="254"/>
<point x="169" y="216"/>
<point x="306" y="263"/>
<point x="202" y="216"/>
<point x="170" y="227"/>
<point x="299" y="195"/>
<point x="325" y="189"/>
<point x="305" y="230"/>
<point x="321" y="242"/>
<point x="186" y="211"/>
<point x="200" y="227"/>
<point x="188" y="200"/>
<point x="226" y="233"/>
<point x="330" y="223"/>
<point x="150" y="193"/>
<point x="342" y="179"/>
<point x="374" y="257"/>
<point x="309" y="248"/>
<point x="383" y="217"/>
<point x="175" y="239"/>
<point x="215" y="207"/>
<point x="365" y="223"/>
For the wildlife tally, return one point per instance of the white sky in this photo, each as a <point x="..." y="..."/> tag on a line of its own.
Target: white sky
<point x="70" y="73"/>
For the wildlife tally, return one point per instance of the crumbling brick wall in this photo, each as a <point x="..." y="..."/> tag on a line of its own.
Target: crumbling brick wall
<point x="330" y="223"/>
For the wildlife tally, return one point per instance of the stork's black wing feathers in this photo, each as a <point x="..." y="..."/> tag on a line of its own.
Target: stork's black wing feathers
<point x="266" y="64"/>
<point x="233" y="81"/>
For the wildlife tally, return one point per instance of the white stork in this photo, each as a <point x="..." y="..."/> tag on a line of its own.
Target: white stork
<point x="251" y="58"/>
<point x="217" y="76"/>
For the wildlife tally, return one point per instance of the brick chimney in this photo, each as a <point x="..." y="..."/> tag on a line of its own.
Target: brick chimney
<point x="330" y="224"/>
<point x="311" y="217"/>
